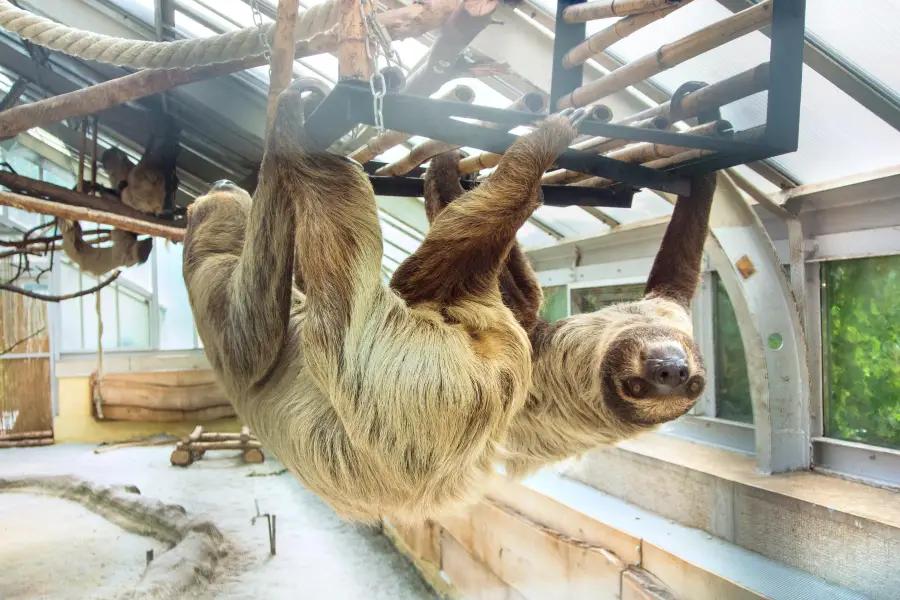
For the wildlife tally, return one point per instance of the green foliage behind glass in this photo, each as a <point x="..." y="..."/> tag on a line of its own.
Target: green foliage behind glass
<point x="732" y="381"/>
<point x="554" y="305"/>
<point x="861" y="327"/>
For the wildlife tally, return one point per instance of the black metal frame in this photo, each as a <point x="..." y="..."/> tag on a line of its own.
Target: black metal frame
<point x="350" y="103"/>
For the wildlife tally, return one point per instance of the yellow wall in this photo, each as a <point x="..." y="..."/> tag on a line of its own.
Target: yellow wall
<point x="75" y="423"/>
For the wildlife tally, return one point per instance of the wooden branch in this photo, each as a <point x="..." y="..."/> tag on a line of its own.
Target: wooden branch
<point x="225" y="445"/>
<point x="353" y="59"/>
<point x="34" y="187"/>
<point x="49" y="298"/>
<point x="530" y="102"/>
<point x="643" y="152"/>
<point x="25" y="435"/>
<point x="604" y="9"/>
<point x="407" y="22"/>
<point x="282" y="65"/>
<point x="715" y="95"/>
<point x="670" y="55"/>
<point x="467" y="21"/>
<point x="621" y="29"/>
<point x="22" y="341"/>
<point x="387" y="140"/>
<point x="78" y="213"/>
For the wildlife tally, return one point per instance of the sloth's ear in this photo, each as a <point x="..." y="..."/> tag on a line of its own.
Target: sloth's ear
<point x="675" y="274"/>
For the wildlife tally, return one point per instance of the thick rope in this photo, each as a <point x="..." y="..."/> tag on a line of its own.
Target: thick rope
<point x="158" y="55"/>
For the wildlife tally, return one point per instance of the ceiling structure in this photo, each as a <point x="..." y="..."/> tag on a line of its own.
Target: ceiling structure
<point x="850" y="107"/>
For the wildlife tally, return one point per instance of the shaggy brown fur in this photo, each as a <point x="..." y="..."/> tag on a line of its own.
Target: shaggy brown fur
<point x="590" y="383"/>
<point x="126" y="249"/>
<point x="383" y="407"/>
<point x="144" y="183"/>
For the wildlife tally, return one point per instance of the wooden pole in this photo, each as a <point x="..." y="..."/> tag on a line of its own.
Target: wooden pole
<point x="353" y="43"/>
<point x="605" y="9"/>
<point x="718" y="94"/>
<point x="644" y="152"/>
<point x="82" y="149"/>
<point x="747" y="135"/>
<point x="94" y="157"/>
<point x="531" y="102"/>
<point x="670" y="55"/>
<point x="601" y="145"/>
<point x="389" y="139"/>
<point x="402" y="23"/>
<point x="34" y="187"/>
<point x="282" y="65"/>
<point x="79" y="213"/>
<point x="619" y="30"/>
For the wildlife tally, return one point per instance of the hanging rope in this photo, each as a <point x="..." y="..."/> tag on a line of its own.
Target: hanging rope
<point x="163" y="55"/>
<point x="98" y="396"/>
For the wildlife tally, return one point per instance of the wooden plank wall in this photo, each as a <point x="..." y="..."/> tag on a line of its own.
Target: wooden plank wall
<point x="25" y="396"/>
<point x="518" y="544"/>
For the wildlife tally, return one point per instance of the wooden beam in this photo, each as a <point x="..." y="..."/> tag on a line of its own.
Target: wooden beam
<point x="353" y="43"/>
<point x="282" y="66"/>
<point x="80" y="213"/>
<point x="410" y="21"/>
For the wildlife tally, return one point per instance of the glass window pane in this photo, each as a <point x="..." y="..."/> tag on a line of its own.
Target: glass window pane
<point x="862" y="350"/>
<point x="585" y="300"/>
<point x="70" y="311"/>
<point x="554" y="306"/>
<point x="176" y="322"/>
<point x="134" y="322"/>
<point x="732" y="381"/>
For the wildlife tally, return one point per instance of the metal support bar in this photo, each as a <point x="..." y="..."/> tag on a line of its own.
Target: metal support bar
<point x="567" y="36"/>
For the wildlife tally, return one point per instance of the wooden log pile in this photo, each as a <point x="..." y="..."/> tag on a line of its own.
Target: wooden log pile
<point x="26" y="439"/>
<point x="194" y="446"/>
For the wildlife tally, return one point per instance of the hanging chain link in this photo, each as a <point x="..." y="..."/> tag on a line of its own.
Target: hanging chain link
<point x="264" y="40"/>
<point x="378" y="42"/>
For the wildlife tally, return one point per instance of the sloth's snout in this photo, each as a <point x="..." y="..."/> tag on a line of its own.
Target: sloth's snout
<point x="667" y="367"/>
<point x="223" y="184"/>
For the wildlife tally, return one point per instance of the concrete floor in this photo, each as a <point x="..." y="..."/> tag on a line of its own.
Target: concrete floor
<point x="318" y="555"/>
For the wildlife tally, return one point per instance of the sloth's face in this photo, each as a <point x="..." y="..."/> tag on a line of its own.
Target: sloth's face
<point x="651" y="373"/>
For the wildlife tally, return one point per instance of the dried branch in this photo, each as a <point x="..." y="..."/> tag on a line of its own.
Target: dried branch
<point x="23" y="340"/>
<point x="49" y="298"/>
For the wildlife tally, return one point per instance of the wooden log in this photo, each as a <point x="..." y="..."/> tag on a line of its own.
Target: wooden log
<point x="245" y="433"/>
<point x="35" y="187"/>
<point x="621" y="29"/>
<point x="253" y="455"/>
<point x="78" y="213"/>
<point x="181" y="458"/>
<point x="282" y="65"/>
<point x="530" y="102"/>
<point x="353" y="45"/>
<point x="25" y="435"/>
<point x="195" y="434"/>
<point x="225" y="437"/>
<point x="387" y="140"/>
<point x="644" y="152"/>
<point x="26" y="443"/>
<point x="718" y="94"/>
<point x="670" y="55"/>
<point x="402" y="23"/>
<point x="467" y="21"/>
<point x="605" y="9"/>
<point x="224" y="445"/>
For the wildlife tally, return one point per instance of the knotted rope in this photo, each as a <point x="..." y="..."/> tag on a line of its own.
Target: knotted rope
<point x="146" y="55"/>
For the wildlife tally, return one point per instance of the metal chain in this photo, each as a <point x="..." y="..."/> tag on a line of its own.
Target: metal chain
<point x="377" y="38"/>
<point x="264" y="40"/>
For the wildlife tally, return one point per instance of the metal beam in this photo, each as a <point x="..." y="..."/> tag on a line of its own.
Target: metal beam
<point x="839" y="71"/>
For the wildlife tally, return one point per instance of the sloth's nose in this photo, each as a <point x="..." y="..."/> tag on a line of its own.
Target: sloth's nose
<point x="670" y="372"/>
<point x="223" y="184"/>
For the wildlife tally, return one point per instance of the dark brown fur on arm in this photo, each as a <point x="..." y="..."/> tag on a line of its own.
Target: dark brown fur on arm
<point x="519" y="287"/>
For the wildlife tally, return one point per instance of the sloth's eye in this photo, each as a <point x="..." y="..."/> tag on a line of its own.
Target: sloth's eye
<point x="636" y="386"/>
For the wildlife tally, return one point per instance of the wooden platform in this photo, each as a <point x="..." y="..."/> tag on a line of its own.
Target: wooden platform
<point x="195" y="446"/>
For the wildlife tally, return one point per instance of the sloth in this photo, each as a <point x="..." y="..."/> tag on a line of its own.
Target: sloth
<point x="126" y="249"/>
<point x="143" y="186"/>
<point x="606" y="376"/>
<point x="384" y="402"/>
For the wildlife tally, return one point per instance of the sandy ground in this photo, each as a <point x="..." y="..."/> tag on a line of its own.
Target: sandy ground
<point x="76" y="554"/>
<point x="43" y="556"/>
